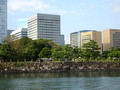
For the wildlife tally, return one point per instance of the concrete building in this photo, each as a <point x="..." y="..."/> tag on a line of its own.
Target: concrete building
<point x="3" y="20"/>
<point x="62" y="40"/>
<point x="111" y="38"/>
<point x="92" y="35"/>
<point x="19" y="33"/>
<point x="44" y="26"/>
<point x="75" y="38"/>
<point x="9" y="32"/>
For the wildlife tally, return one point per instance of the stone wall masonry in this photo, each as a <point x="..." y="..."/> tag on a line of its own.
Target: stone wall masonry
<point x="59" y="67"/>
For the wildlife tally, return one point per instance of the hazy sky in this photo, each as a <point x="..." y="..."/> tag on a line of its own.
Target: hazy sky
<point x="75" y="14"/>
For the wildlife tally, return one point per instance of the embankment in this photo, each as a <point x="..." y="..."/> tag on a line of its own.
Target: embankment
<point x="59" y="67"/>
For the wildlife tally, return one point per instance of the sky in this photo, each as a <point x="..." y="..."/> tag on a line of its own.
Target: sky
<point x="75" y="15"/>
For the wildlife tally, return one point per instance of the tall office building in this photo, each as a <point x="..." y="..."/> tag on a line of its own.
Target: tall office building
<point x="44" y="26"/>
<point x="19" y="33"/>
<point x="9" y="32"/>
<point x="62" y="40"/>
<point x="3" y="20"/>
<point x="111" y="38"/>
<point x="92" y="35"/>
<point x="75" y="38"/>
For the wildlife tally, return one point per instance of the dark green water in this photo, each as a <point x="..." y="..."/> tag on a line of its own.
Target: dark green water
<point x="61" y="81"/>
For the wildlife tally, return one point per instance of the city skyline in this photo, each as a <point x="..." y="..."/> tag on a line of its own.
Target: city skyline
<point x="76" y="16"/>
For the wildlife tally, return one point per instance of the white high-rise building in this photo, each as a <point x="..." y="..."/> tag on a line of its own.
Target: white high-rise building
<point x="19" y="33"/>
<point x="9" y="32"/>
<point x="45" y="26"/>
<point x="3" y="20"/>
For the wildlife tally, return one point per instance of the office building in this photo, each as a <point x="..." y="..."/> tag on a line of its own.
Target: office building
<point x="62" y="40"/>
<point x="3" y="20"/>
<point x="111" y="38"/>
<point x="92" y="35"/>
<point x="75" y="38"/>
<point x="44" y="26"/>
<point x="19" y="33"/>
<point x="9" y="32"/>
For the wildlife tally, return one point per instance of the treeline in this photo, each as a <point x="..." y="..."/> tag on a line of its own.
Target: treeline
<point x="28" y="49"/>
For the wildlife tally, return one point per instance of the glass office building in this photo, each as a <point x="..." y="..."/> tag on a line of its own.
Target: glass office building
<point x="75" y="38"/>
<point x="3" y="20"/>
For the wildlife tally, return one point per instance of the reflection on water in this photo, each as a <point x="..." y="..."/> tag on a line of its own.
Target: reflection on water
<point x="60" y="81"/>
<point x="60" y="75"/>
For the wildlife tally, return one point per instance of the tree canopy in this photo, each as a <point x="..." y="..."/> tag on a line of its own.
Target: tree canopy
<point x="28" y="49"/>
<point x="90" y="50"/>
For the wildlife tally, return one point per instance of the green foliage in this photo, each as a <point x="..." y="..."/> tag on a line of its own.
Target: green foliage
<point x="105" y="54"/>
<point x="58" y="55"/>
<point x="68" y="52"/>
<point x="24" y="41"/>
<point x="5" y="52"/>
<point x="45" y="53"/>
<point x="114" y="53"/>
<point x="27" y="49"/>
<point x="35" y="47"/>
<point x="77" y="52"/>
<point x="17" y="47"/>
<point x="90" y="50"/>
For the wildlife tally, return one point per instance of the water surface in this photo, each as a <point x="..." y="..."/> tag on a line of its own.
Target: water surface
<point x="61" y="81"/>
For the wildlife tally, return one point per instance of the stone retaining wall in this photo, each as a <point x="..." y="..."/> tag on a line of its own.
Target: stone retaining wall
<point x="60" y="67"/>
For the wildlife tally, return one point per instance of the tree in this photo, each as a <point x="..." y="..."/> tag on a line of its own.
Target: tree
<point x="57" y="53"/>
<point x="77" y="52"/>
<point x="45" y="53"/>
<point x="24" y="41"/>
<point x="33" y="49"/>
<point x="5" y="52"/>
<point x="90" y="50"/>
<point x="114" y="52"/>
<point x="17" y="46"/>
<point x="105" y="54"/>
<point x="68" y="52"/>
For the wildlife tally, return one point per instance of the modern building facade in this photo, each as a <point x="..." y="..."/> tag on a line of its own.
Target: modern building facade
<point x="19" y="33"/>
<point x="75" y="38"/>
<point x="92" y="35"/>
<point x="45" y="26"/>
<point x="9" y="32"/>
<point x="3" y="20"/>
<point x="111" y="38"/>
<point x="62" y="40"/>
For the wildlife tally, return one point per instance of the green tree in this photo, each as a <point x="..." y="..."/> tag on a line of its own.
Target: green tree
<point x="45" y="53"/>
<point x="90" y="50"/>
<point x="58" y="55"/>
<point x="17" y="46"/>
<point x="105" y="54"/>
<point x="114" y="52"/>
<point x="68" y="52"/>
<point x="5" y="52"/>
<point x="77" y="52"/>
<point x="33" y="49"/>
<point x="24" y="41"/>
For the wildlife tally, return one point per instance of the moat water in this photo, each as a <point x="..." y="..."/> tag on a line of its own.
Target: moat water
<point x="60" y="81"/>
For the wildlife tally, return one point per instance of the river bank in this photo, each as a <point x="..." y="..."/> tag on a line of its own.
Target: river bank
<point x="59" y="66"/>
